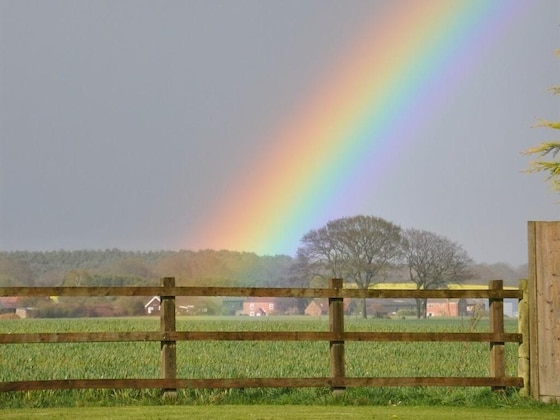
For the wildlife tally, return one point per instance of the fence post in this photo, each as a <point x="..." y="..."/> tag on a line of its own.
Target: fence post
<point x="523" y="361"/>
<point x="497" y="349"/>
<point x="168" y="347"/>
<point x="336" y="323"/>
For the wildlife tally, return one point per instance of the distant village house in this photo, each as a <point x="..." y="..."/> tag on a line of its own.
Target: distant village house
<point x="318" y="307"/>
<point x="153" y="306"/>
<point x="259" y="306"/>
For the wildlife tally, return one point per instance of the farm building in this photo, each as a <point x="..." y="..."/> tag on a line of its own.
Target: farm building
<point x="395" y="305"/>
<point x="26" y="312"/>
<point x="318" y="307"/>
<point x="12" y="306"/>
<point x="8" y="305"/>
<point x="153" y="305"/>
<point x="442" y="307"/>
<point x="377" y="308"/>
<point x="259" y="306"/>
<point x="451" y="307"/>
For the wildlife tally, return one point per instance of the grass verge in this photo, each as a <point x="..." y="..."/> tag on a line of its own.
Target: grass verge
<point x="271" y="412"/>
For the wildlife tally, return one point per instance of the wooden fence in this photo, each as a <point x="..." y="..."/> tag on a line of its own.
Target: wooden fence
<point x="336" y="336"/>
<point x="544" y="310"/>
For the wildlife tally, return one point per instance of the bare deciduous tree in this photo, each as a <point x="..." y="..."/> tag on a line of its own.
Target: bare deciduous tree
<point x="358" y="249"/>
<point x="433" y="262"/>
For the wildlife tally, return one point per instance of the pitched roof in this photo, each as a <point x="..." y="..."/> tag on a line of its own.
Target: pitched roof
<point x="152" y="301"/>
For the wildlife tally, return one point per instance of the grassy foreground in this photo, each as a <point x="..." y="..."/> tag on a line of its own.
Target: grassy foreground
<point x="258" y="359"/>
<point x="270" y="412"/>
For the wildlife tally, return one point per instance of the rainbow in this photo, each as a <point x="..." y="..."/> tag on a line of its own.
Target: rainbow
<point x="395" y="76"/>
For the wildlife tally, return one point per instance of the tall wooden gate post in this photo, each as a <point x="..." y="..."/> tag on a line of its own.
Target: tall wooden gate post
<point x="497" y="348"/>
<point x="336" y="323"/>
<point x="168" y="347"/>
<point x="544" y="309"/>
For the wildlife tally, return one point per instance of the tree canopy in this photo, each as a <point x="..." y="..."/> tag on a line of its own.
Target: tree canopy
<point x="548" y="148"/>
<point x="433" y="261"/>
<point x="358" y="249"/>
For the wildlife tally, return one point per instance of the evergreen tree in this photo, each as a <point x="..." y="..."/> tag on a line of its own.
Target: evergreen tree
<point x="549" y="148"/>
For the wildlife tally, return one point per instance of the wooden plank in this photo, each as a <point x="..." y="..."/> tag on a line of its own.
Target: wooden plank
<point x="259" y="292"/>
<point x="523" y="361"/>
<point x="82" y="337"/>
<point x="533" y="313"/>
<point x="256" y="383"/>
<point x="545" y="319"/>
<point x="336" y="324"/>
<point x="435" y="381"/>
<point x="80" y="291"/>
<point x="166" y="291"/>
<point x="93" y="337"/>
<point x="433" y="336"/>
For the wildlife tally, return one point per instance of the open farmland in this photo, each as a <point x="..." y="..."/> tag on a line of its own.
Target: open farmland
<point x="230" y="359"/>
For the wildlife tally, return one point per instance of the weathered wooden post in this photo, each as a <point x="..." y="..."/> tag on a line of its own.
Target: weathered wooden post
<point x="497" y="348"/>
<point x="168" y="346"/>
<point x="523" y="350"/>
<point x="544" y="309"/>
<point x="336" y="322"/>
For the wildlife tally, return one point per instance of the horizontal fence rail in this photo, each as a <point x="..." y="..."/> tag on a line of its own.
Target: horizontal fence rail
<point x="107" y="337"/>
<point x="168" y="384"/>
<point x="168" y="337"/>
<point x="262" y="292"/>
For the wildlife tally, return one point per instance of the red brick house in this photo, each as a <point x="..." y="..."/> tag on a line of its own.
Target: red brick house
<point x="442" y="307"/>
<point x="318" y="307"/>
<point x="449" y="307"/>
<point x="259" y="306"/>
<point x="8" y="304"/>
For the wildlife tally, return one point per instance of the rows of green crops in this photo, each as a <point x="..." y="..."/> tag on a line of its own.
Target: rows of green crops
<point x="231" y="359"/>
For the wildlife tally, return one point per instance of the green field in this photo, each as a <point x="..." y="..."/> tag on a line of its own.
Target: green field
<point x="232" y="359"/>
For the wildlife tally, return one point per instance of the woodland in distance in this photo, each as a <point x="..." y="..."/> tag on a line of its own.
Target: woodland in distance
<point x="114" y="267"/>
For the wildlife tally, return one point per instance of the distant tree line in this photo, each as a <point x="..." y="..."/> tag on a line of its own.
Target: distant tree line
<point x="116" y="267"/>
<point x="363" y="250"/>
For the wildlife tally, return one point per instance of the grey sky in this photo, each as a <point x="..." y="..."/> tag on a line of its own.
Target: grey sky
<point x="120" y="121"/>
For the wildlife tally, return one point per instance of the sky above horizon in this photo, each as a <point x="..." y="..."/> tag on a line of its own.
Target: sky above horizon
<point x="242" y="125"/>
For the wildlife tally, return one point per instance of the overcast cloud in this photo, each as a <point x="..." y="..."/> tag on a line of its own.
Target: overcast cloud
<point x="121" y="120"/>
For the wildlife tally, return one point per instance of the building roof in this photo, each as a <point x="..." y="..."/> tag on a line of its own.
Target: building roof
<point x="9" y="302"/>
<point x="262" y="299"/>
<point x="152" y="301"/>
